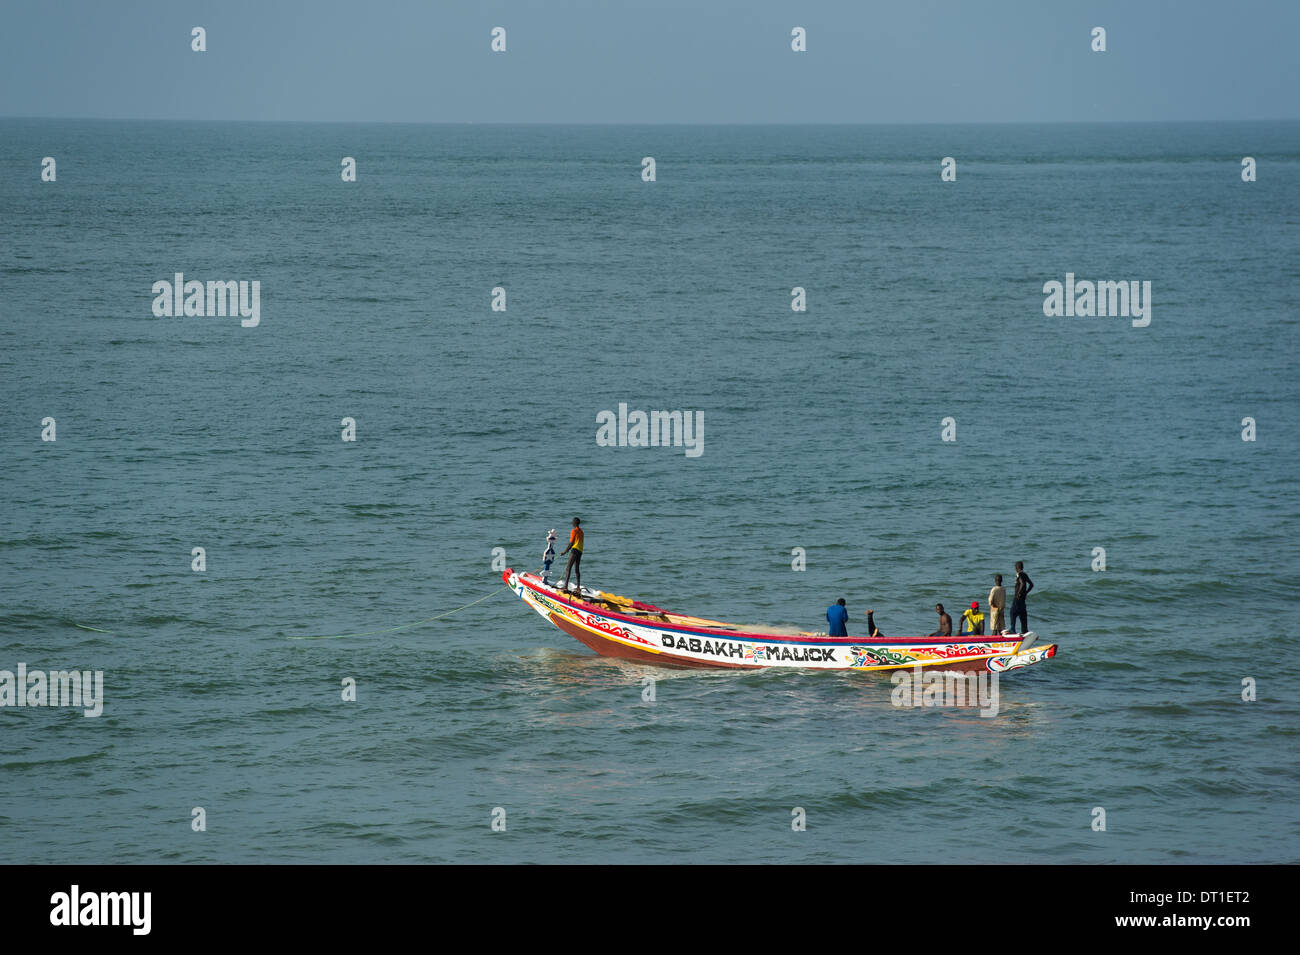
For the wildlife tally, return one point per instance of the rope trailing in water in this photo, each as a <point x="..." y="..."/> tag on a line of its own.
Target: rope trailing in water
<point x="405" y="626"/>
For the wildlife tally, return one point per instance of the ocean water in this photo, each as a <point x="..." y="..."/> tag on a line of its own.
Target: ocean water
<point x="476" y="430"/>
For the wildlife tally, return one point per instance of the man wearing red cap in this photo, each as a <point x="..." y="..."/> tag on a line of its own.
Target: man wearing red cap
<point x="972" y="621"/>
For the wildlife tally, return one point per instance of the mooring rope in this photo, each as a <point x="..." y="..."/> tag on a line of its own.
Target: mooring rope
<point x="404" y="626"/>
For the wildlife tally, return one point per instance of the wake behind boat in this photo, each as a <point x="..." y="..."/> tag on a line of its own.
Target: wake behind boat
<point x="617" y="626"/>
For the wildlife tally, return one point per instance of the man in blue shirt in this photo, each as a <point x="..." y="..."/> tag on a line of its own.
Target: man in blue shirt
<point x="837" y="615"/>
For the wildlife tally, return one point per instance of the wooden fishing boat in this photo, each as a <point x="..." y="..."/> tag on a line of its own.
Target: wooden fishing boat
<point x="616" y="626"/>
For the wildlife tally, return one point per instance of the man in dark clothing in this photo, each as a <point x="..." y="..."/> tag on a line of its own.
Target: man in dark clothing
<point x="1023" y="586"/>
<point x="574" y="550"/>
<point x="945" y="623"/>
<point x="872" y="629"/>
<point x="837" y="615"/>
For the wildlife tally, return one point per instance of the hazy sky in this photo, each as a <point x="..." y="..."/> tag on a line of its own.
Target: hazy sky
<point x="627" y="61"/>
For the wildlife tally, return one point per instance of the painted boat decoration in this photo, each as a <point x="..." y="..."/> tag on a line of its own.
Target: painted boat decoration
<point x="616" y="626"/>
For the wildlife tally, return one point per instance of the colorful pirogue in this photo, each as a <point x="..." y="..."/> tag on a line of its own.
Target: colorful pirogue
<point x="615" y="626"/>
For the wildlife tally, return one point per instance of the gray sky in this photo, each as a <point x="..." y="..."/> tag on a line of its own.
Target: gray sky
<point x="653" y="61"/>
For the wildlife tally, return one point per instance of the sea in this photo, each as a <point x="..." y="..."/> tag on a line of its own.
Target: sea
<point x="307" y="651"/>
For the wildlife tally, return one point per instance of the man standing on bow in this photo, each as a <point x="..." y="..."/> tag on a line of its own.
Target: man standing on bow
<point x="1023" y="586"/>
<point x="997" y="604"/>
<point x="574" y="550"/>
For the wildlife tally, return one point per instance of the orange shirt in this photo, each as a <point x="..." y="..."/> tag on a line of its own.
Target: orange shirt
<point x="575" y="539"/>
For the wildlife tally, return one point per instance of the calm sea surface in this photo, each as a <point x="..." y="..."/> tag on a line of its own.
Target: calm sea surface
<point x="476" y="430"/>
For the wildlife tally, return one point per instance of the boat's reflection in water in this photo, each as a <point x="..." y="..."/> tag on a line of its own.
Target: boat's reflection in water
<point x="588" y="689"/>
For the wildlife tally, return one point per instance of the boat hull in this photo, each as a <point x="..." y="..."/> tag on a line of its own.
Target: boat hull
<point x="675" y="640"/>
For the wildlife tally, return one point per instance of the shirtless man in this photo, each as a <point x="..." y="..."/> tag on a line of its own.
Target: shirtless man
<point x="945" y="623"/>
